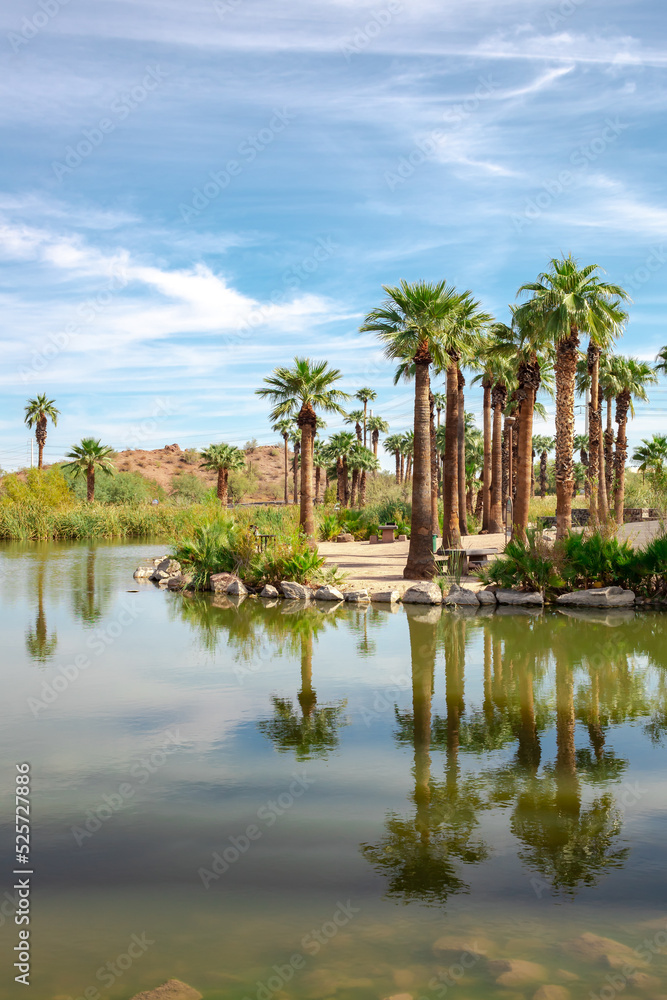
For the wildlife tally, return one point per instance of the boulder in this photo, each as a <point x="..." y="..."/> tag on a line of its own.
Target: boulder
<point x="459" y="595"/>
<point x="345" y="536"/>
<point x="519" y="597"/>
<point x="549" y="992"/>
<point x="602" y="597"/>
<point x="356" y="596"/>
<point x="173" y="990"/>
<point x="270" y="592"/>
<point x="452" y="946"/>
<point x="486" y="597"/>
<point x="165" y="568"/>
<point x="515" y="971"/>
<point x="328" y="594"/>
<point x="295" y="591"/>
<point x="236" y="589"/>
<point x="425" y="592"/>
<point x="218" y="582"/>
<point x="603" y="951"/>
<point x="144" y="571"/>
<point x="385" y="596"/>
<point x="177" y="582"/>
<point x="402" y="538"/>
<point x="612" y="618"/>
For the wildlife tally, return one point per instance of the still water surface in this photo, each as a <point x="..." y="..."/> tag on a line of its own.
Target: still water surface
<point x="299" y="802"/>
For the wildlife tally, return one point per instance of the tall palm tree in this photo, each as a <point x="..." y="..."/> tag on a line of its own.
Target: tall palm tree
<point x="414" y="323"/>
<point x="295" y="438"/>
<point x="365" y="396"/>
<point x="498" y="372"/>
<point x="340" y="445"/>
<point x="88" y="458"/>
<point x="570" y="300"/>
<point x="661" y="361"/>
<point x="284" y="427"/>
<point x="527" y="348"/>
<point x="223" y="459"/>
<point x="356" y="417"/>
<point x="543" y="445"/>
<point x="299" y="391"/>
<point x="631" y="377"/>
<point x="376" y="426"/>
<point x="407" y="455"/>
<point x="392" y="445"/>
<point x="321" y="460"/>
<point x="37" y="413"/>
<point x="361" y="461"/>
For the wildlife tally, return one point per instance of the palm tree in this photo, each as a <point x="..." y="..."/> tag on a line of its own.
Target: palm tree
<point x="393" y="446"/>
<point x="570" y="300"/>
<point x="340" y="445"/>
<point x="361" y="461"/>
<point x="37" y="413"/>
<point x="223" y="459"/>
<point x="377" y="426"/>
<point x="284" y="427"/>
<point x="631" y="377"/>
<point x="365" y="396"/>
<point x="661" y="361"/>
<point x="299" y="390"/>
<point x="88" y="458"/>
<point x="497" y="372"/>
<point x="321" y="460"/>
<point x="407" y="455"/>
<point x="580" y="444"/>
<point x="295" y="438"/>
<point x="527" y="348"/>
<point x="543" y="445"/>
<point x="414" y="323"/>
<point x="356" y="417"/>
<point x="651" y="454"/>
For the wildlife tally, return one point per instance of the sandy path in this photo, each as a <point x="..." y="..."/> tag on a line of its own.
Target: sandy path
<point x="380" y="567"/>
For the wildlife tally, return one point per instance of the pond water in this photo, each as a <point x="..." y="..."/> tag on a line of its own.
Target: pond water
<point x="272" y="802"/>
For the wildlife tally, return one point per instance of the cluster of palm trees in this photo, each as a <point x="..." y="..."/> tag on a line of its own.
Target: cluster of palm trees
<point x="434" y="329"/>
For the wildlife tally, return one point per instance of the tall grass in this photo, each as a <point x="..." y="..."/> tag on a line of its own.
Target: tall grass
<point x="32" y="521"/>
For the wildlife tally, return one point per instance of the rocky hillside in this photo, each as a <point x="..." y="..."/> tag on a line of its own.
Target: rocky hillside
<point x="265" y="464"/>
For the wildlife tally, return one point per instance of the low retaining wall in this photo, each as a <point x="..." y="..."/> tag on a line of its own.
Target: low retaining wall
<point x="631" y="515"/>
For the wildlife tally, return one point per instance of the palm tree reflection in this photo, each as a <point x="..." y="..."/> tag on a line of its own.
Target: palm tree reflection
<point x="41" y="645"/>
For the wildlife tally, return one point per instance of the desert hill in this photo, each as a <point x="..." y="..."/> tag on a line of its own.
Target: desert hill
<point x="263" y="463"/>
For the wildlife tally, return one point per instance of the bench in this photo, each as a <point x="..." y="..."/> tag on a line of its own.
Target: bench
<point x="388" y="532"/>
<point x="480" y="556"/>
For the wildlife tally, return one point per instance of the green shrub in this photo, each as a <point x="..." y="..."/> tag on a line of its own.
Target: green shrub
<point x="191" y="456"/>
<point x="530" y="565"/>
<point x="584" y="559"/>
<point x="186" y="487"/>
<point x="48" y="488"/>
<point x="210" y="549"/>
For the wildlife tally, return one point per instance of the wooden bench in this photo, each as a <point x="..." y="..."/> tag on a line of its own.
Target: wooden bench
<point x="388" y="532"/>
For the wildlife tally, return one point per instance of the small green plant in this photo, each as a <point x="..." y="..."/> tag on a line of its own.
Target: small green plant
<point x="191" y="456"/>
<point x="330" y="576"/>
<point x="210" y="549"/>
<point x="529" y="564"/>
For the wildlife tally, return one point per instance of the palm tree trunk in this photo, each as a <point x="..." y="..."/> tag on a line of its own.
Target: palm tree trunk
<point x="297" y="448"/>
<point x="346" y="483"/>
<point x="603" y="500"/>
<point x="529" y="381"/>
<point x="543" y="474"/>
<point x="609" y="452"/>
<point x="461" y="440"/>
<point x="486" y="467"/>
<point x="421" y="563"/>
<point x="308" y="424"/>
<point x="397" y="459"/>
<point x="220" y="487"/>
<point x="435" y="529"/>
<point x="532" y="473"/>
<point x="90" y="485"/>
<point x="622" y="408"/>
<point x="318" y="477"/>
<point x="286" y="463"/>
<point x="353" y="491"/>
<point x="365" y="410"/>
<point x="340" y="487"/>
<point x="593" y="364"/>
<point x="375" y="438"/>
<point x="402" y="471"/>
<point x="362" y="488"/>
<point x="495" y="525"/>
<point x="565" y="368"/>
<point x="451" y="536"/>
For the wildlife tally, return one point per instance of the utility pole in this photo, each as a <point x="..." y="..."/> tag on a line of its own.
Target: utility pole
<point x="31" y="453"/>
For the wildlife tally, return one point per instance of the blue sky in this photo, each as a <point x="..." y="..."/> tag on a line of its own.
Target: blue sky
<point x="192" y="193"/>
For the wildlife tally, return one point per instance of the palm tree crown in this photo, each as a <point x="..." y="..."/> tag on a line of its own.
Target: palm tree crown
<point x="89" y="457"/>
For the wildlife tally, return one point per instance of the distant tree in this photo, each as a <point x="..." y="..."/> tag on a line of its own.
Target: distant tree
<point x="88" y="458"/>
<point x="223" y="459"/>
<point x="37" y="413"/>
